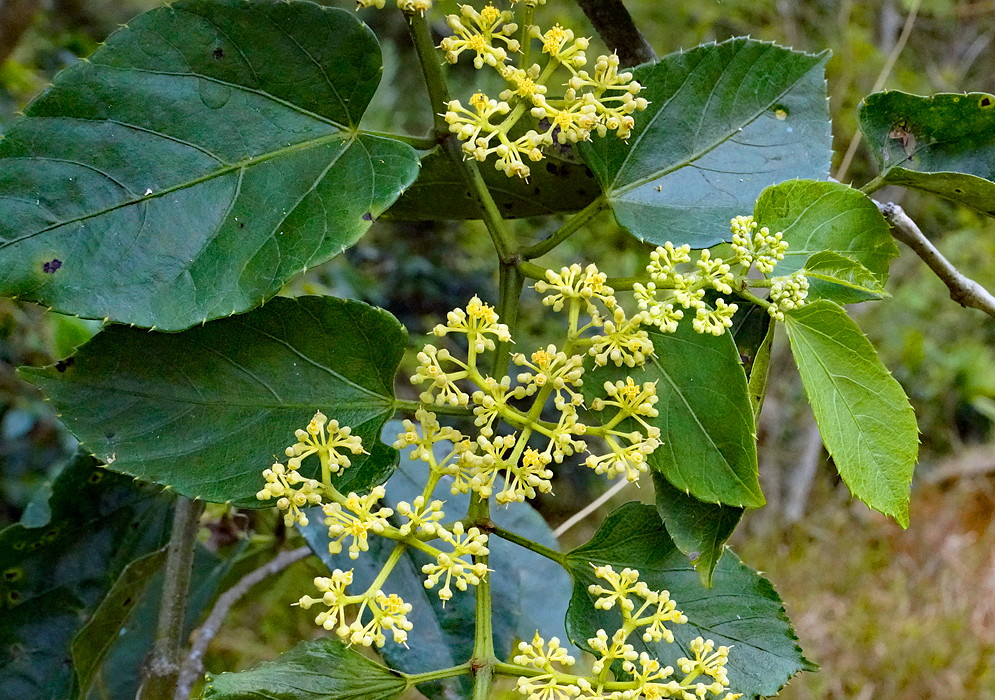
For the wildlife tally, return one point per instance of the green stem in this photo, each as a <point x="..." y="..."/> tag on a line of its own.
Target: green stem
<point x="624" y="284"/>
<point x="438" y="93"/>
<point x="410" y="407"/>
<point x="414" y="679"/>
<point x="162" y="669"/>
<point x="510" y="284"/>
<point x="483" y="640"/>
<point x="572" y="225"/>
<point x="759" y="372"/>
<point x="874" y="185"/>
<point x="531" y="270"/>
<point x="514" y="538"/>
<point x="422" y="143"/>
<point x="526" y="40"/>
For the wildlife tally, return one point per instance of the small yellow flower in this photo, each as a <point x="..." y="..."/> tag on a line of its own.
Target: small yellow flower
<point x="477" y="31"/>
<point x="356" y="520"/>
<point x="456" y="565"/>
<point x="280" y="482"/>
<point x="330" y="445"/>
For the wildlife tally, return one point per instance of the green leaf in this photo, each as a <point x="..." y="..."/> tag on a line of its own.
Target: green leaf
<point x="837" y="269"/>
<point x="740" y="610"/>
<point x="53" y="577"/>
<point x="195" y="163"/>
<point x="206" y="410"/>
<point x="698" y="529"/>
<point x="90" y="646"/>
<point x="827" y="216"/>
<point x="863" y="414"/>
<point x="943" y="144"/>
<point x="321" y="669"/>
<point x="555" y="185"/>
<point x="443" y="636"/>
<point x="724" y="122"/>
<point x="705" y="419"/>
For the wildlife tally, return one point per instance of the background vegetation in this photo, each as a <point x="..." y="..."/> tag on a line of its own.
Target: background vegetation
<point x="888" y="614"/>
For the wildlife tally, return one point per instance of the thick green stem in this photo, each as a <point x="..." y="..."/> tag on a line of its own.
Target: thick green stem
<point x="531" y="270"/>
<point x="422" y="143"/>
<point x="162" y="670"/>
<point x="759" y="372"/>
<point x="550" y="554"/>
<point x="572" y="225"/>
<point x="483" y="659"/>
<point x="510" y="285"/>
<point x="438" y="93"/>
<point x="410" y="407"/>
<point x="417" y="678"/>
<point x="874" y="185"/>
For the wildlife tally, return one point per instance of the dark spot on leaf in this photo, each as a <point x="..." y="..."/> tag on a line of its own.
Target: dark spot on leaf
<point x="536" y="191"/>
<point x="14" y="597"/>
<point x="51" y="266"/>
<point x="587" y="171"/>
<point x="126" y="602"/>
<point x="37" y="544"/>
<point x="219" y="54"/>
<point x="63" y="365"/>
<point x="508" y="206"/>
<point x="241" y="224"/>
<point x="12" y="574"/>
<point x="96" y="478"/>
<point x="19" y="546"/>
<point x="134" y="526"/>
<point x="110" y="436"/>
<point x="367" y="216"/>
<point x="986" y="102"/>
<point x="958" y="190"/>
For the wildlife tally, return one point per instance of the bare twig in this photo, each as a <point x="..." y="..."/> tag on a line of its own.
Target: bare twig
<point x="963" y="290"/>
<point x="804" y="475"/>
<point x="889" y="64"/>
<point x="615" y="27"/>
<point x="194" y="664"/>
<point x="162" y="668"/>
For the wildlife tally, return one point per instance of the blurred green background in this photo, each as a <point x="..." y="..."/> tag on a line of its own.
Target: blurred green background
<point x="887" y="613"/>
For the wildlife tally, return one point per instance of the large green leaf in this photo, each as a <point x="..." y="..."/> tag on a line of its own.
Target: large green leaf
<point x="200" y="159"/>
<point x="863" y="414"/>
<point x="555" y="185"/>
<point x="698" y="529"/>
<point x="943" y="144"/>
<point x="443" y="636"/>
<point x="321" y="669"/>
<point x="724" y="122"/>
<point x="54" y="577"/>
<point x="705" y="419"/>
<point x="827" y="216"/>
<point x="204" y="411"/>
<point x="740" y="610"/>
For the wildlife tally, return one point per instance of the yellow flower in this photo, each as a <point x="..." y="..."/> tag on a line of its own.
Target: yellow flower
<point x="329" y="445"/>
<point x="356" y="520"/>
<point x="477" y="31"/>
<point x="456" y="565"/>
<point x="280" y="482"/>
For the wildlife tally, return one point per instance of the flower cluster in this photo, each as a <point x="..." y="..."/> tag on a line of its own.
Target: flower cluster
<point x="641" y="607"/>
<point x="387" y="612"/>
<point x="590" y="104"/>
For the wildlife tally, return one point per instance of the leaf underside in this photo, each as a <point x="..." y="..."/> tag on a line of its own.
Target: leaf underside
<point x="191" y="166"/>
<point x="724" y="122"/>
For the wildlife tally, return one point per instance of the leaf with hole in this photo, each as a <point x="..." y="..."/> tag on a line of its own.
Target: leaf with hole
<point x="944" y="143"/>
<point x="206" y="410"/>
<point x="195" y="163"/>
<point x="724" y="122"/>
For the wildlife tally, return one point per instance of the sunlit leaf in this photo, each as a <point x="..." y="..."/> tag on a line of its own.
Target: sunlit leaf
<point x="863" y="414"/>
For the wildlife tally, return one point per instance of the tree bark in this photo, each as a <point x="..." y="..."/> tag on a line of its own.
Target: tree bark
<point x="615" y="27"/>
